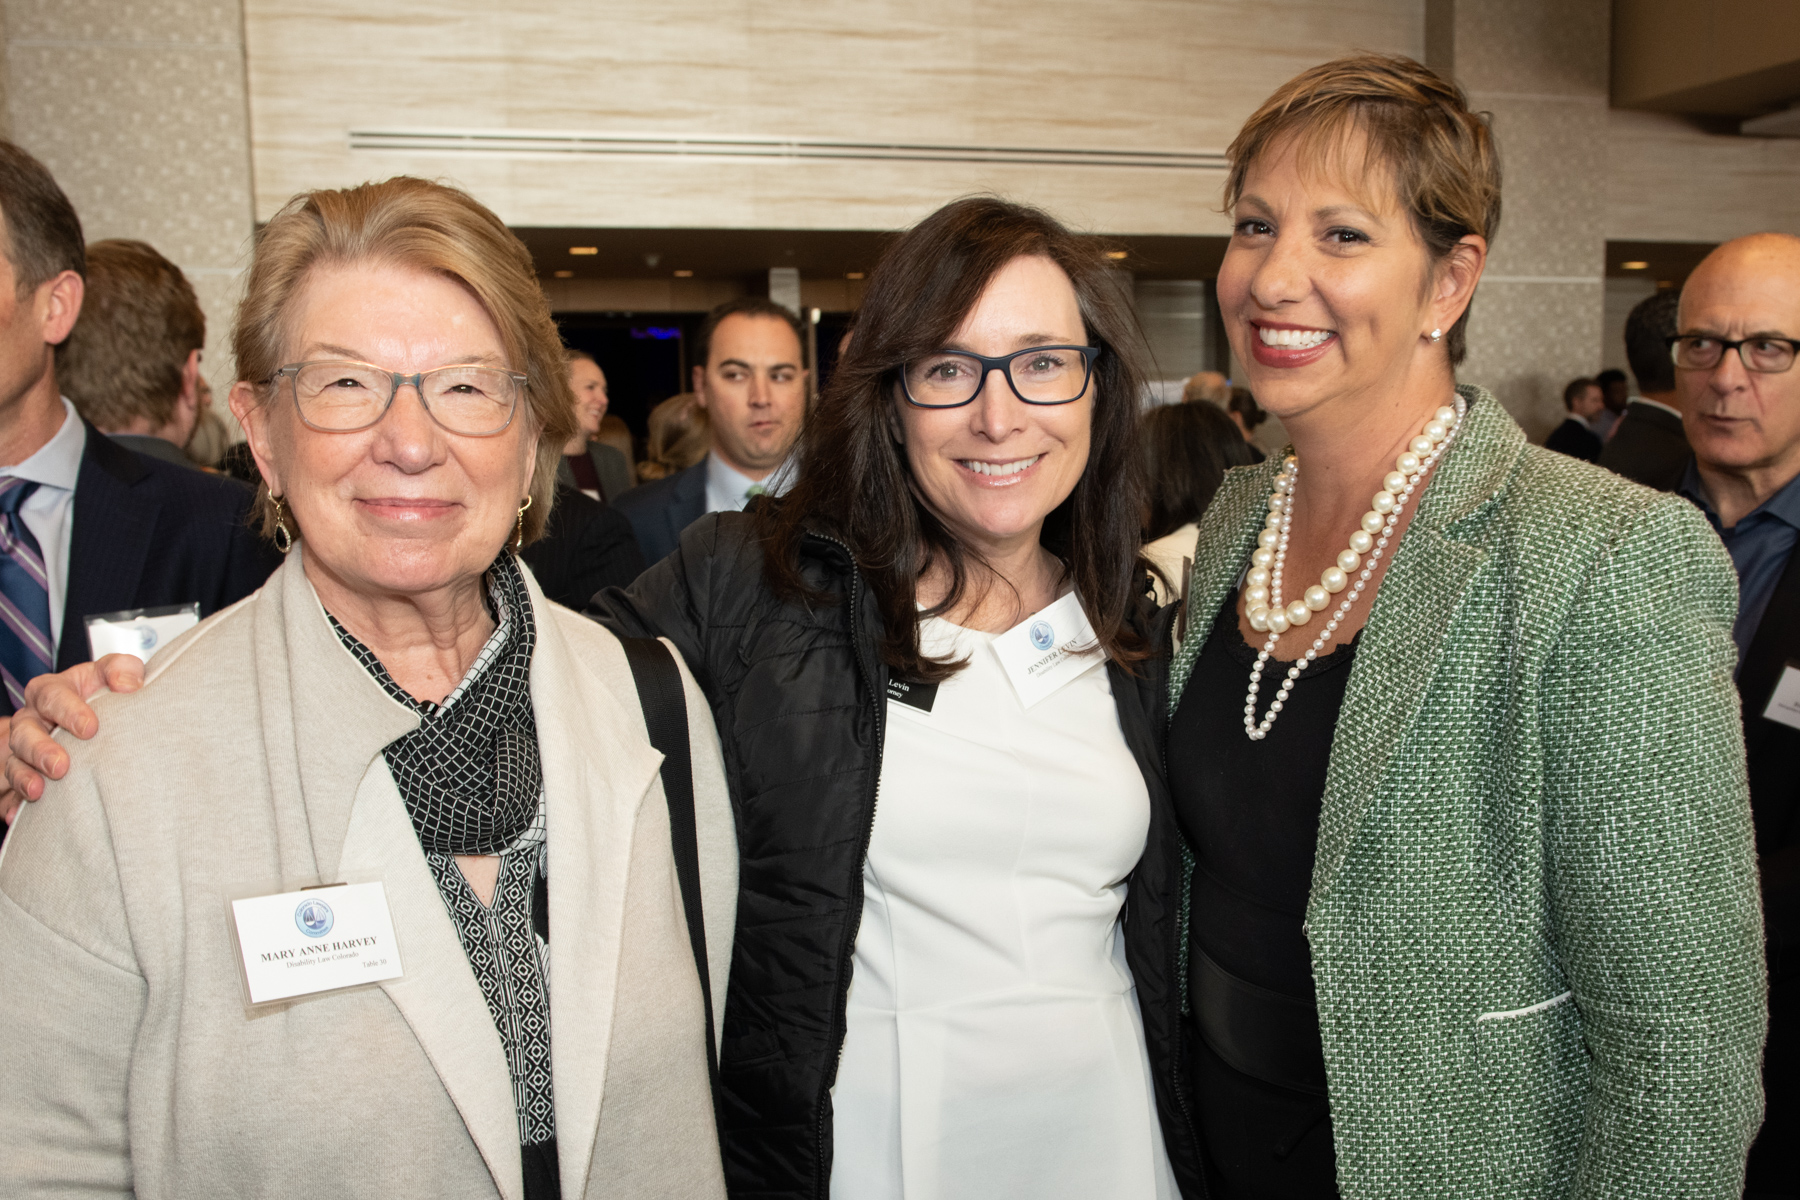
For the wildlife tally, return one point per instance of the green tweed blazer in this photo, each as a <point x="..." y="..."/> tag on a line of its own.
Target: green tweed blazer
<point x="1534" y="921"/>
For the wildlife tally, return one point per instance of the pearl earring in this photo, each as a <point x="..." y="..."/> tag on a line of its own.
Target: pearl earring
<point x="1436" y="334"/>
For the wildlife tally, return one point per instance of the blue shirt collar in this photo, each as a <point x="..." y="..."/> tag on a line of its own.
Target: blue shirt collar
<point x="1783" y="506"/>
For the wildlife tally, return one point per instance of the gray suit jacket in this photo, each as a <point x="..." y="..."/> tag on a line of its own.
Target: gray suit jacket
<point x="250" y="764"/>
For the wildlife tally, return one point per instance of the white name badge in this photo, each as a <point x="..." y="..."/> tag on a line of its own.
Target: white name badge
<point x="317" y="940"/>
<point x="139" y="631"/>
<point x="1784" y="705"/>
<point x="1048" y="649"/>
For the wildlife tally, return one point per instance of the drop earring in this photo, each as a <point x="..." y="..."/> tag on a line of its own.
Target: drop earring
<point x="519" y="533"/>
<point x="284" y="541"/>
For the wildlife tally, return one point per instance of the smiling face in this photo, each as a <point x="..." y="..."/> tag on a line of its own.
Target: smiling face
<point x="1740" y="420"/>
<point x="1328" y="294"/>
<point x="993" y="469"/>
<point x="403" y="507"/>
<point x="588" y="382"/>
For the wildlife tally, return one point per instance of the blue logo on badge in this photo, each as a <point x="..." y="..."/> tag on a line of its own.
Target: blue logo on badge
<point x="314" y="917"/>
<point x="147" y="639"/>
<point x="1042" y="636"/>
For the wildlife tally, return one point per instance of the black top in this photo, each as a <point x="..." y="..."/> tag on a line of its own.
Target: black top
<point x="1574" y="439"/>
<point x="1250" y="811"/>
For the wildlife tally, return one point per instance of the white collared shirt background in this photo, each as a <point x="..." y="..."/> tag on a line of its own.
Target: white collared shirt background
<point x="728" y="489"/>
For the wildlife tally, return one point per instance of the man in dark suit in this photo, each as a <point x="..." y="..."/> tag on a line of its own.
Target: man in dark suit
<point x="1739" y="394"/>
<point x="751" y="379"/>
<point x="587" y="546"/>
<point x="588" y="466"/>
<point x="1648" y="446"/>
<point x="1575" y="436"/>
<point x="87" y="527"/>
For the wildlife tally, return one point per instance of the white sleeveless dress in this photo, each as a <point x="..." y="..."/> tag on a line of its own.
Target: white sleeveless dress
<point x="994" y="1046"/>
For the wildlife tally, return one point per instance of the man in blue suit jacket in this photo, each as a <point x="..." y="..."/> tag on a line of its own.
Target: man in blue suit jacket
<point x="751" y="379"/>
<point x="87" y="527"/>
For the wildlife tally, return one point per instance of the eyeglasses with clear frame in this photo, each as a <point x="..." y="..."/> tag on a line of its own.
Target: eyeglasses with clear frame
<point x="1040" y="375"/>
<point x="335" y="396"/>
<point x="1767" y="355"/>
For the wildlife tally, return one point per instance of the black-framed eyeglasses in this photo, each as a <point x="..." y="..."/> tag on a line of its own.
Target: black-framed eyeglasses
<point x="1040" y="375"/>
<point x="342" y="397"/>
<point x="1769" y="355"/>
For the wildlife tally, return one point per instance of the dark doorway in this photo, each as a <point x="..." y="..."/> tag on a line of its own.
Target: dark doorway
<point x="644" y="356"/>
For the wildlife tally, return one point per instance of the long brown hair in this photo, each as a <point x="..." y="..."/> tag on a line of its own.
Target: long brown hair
<point x="854" y="483"/>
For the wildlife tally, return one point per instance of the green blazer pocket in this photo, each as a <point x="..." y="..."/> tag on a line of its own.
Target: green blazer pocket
<point x="1534" y="1069"/>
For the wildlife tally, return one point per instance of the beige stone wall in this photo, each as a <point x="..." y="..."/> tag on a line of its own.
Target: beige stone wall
<point x="1124" y="75"/>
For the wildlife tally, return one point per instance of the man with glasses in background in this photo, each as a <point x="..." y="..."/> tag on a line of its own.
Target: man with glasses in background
<point x="1740" y="402"/>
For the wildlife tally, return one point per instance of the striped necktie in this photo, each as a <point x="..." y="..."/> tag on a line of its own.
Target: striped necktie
<point x="25" y="647"/>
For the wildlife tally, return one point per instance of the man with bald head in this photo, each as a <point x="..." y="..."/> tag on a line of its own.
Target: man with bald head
<point x="1739" y="391"/>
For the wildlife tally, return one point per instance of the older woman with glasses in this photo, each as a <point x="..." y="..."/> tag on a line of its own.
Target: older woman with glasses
<point x="285" y="930"/>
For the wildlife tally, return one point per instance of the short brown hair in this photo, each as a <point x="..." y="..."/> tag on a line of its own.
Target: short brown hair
<point x="43" y="234"/>
<point x="855" y="483"/>
<point x="1417" y="124"/>
<point x="139" y="322"/>
<point x="745" y="306"/>
<point x="431" y="227"/>
<point x="1575" y="388"/>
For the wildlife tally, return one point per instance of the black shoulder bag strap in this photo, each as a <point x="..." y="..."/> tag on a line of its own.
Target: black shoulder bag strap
<point x="664" y="702"/>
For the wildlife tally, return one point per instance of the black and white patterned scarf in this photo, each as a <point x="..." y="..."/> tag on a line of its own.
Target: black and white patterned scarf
<point x="472" y="782"/>
<point x="470" y="773"/>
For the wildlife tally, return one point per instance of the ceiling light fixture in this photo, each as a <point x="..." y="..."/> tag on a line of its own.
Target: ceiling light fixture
<point x="853" y="274"/>
<point x="684" y="274"/>
<point x="565" y="274"/>
<point x="584" y="250"/>
<point x="1116" y="255"/>
<point x="1638" y="265"/>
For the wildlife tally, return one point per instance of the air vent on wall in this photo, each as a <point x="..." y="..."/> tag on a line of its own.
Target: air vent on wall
<point x="515" y="143"/>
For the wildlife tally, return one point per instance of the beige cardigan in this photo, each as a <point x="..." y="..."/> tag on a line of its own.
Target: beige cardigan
<point x="250" y="764"/>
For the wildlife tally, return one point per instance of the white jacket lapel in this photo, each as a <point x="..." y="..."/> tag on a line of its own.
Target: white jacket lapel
<point x="438" y="994"/>
<point x="596" y="780"/>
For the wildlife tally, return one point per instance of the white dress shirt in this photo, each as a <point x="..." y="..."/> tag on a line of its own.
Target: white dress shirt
<point x="49" y="512"/>
<point x="728" y="489"/>
<point x="993" y="1045"/>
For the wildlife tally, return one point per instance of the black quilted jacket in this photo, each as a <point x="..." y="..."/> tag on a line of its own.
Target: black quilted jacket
<point x="799" y="697"/>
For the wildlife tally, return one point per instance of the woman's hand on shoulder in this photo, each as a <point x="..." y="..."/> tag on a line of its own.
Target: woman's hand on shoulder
<point x="55" y="702"/>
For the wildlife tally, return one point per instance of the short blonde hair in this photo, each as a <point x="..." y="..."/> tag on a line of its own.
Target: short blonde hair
<point x="430" y="227"/>
<point x="1415" y="123"/>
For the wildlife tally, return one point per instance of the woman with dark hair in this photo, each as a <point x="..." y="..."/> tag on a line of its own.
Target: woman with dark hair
<point x="938" y="1000"/>
<point x="1187" y="448"/>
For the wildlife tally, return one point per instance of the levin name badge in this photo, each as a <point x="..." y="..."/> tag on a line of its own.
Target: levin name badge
<point x="139" y="631"/>
<point x="1784" y="705"/>
<point x="1048" y="649"/>
<point x="315" y="940"/>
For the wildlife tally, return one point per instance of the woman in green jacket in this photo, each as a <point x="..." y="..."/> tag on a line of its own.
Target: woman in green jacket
<point x="1473" y="907"/>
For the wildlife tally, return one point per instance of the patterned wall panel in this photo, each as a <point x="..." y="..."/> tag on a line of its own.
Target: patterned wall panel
<point x="139" y="108"/>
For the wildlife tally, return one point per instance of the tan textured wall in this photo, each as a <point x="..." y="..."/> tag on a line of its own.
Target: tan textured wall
<point x="139" y="109"/>
<point x="1668" y="180"/>
<point x="1540" y="66"/>
<point x="1124" y="75"/>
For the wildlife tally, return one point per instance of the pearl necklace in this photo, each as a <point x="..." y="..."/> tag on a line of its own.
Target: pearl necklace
<point x="1262" y="592"/>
